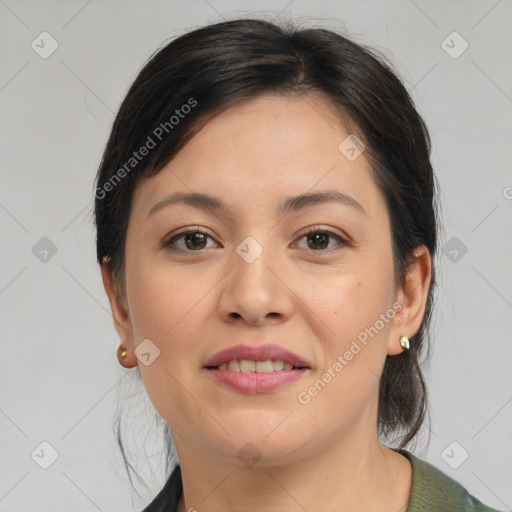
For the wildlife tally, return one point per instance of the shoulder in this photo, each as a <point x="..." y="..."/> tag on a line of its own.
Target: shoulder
<point x="434" y="491"/>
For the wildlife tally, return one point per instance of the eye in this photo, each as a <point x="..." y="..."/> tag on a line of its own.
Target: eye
<point x="318" y="239"/>
<point x="194" y="240"/>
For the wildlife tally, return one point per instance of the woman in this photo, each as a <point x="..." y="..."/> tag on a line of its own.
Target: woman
<point x="266" y="229"/>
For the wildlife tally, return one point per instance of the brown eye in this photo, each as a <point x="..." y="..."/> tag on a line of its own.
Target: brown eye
<point x="191" y="240"/>
<point x="319" y="239"/>
<point x="195" y="240"/>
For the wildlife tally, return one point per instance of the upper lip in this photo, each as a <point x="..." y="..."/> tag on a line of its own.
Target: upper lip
<point x="256" y="353"/>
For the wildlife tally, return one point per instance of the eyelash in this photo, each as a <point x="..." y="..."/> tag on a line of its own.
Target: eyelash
<point x="168" y="243"/>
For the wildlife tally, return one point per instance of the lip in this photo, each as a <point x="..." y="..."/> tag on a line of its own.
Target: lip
<point x="256" y="353"/>
<point x="254" y="383"/>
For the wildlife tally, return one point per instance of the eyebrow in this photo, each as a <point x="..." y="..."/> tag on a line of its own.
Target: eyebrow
<point x="290" y="204"/>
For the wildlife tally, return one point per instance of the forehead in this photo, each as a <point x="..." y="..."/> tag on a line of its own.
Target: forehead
<point x="264" y="149"/>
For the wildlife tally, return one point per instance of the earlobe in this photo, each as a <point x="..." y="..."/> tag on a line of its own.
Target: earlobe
<point x="413" y="297"/>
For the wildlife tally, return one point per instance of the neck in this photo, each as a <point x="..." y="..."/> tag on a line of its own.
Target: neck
<point x="348" y="474"/>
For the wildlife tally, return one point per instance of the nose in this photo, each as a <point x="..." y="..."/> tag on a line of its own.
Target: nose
<point x="256" y="291"/>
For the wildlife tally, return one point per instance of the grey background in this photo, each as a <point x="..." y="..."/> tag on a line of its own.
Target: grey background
<point x="59" y="378"/>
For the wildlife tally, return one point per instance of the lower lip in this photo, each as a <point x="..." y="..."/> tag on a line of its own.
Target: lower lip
<point x="256" y="382"/>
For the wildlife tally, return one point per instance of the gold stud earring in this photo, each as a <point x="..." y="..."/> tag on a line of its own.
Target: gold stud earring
<point x="121" y="354"/>
<point x="404" y="343"/>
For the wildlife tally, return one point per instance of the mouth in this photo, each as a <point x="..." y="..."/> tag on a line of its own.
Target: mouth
<point x="251" y="366"/>
<point x="245" y="380"/>
<point x="256" y="359"/>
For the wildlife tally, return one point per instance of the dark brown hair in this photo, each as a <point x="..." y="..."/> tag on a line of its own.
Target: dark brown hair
<point x="210" y="69"/>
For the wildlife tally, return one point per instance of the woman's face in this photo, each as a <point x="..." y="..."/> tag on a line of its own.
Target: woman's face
<point x="257" y="278"/>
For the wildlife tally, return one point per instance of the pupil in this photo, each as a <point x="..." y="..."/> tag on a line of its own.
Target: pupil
<point x="197" y="238"/>
<point x="316" y="237"/>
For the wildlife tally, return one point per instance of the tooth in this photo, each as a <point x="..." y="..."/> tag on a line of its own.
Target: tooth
<point x="264" y="366"/>
<point x="247" y="366"/>
<point x="234" y="365"/>
<point x="277" y="365"/>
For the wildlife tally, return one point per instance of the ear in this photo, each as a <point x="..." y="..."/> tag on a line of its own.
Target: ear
<point x="413" y="297"/>
<point x="120" y="314"/>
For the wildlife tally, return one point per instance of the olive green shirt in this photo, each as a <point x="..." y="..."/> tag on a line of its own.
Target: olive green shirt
<point x="432" y="491"/>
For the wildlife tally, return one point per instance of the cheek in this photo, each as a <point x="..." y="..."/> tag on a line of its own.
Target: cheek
<point x="152" y="311"/>
<point x="164" y="301"/>
<point x="165" y="311"/>
<point x="170" y="308"/>
<point x="354" y="352"/>
<point x="358" y="314"/>
<point x="353" y="303"/>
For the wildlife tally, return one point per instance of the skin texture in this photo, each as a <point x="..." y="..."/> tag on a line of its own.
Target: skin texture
<point x="192" y="303"/>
